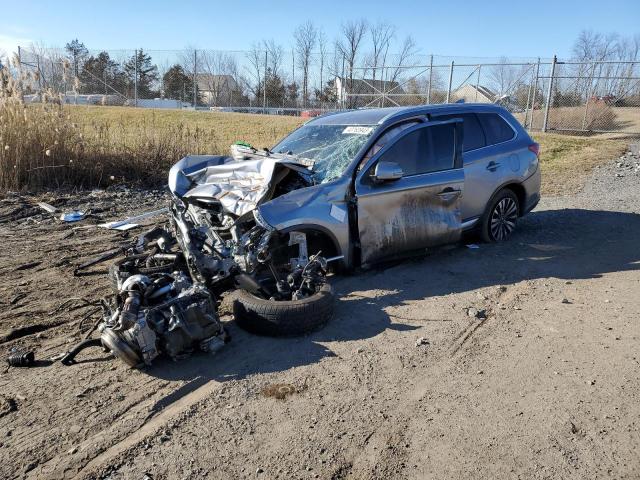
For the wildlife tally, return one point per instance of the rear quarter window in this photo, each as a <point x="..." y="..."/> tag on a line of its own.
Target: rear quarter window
<point x="496" y="129"/>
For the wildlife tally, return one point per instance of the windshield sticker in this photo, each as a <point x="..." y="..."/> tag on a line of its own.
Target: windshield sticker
<point x="357" y="130"/>
<point x="338" y="213"/>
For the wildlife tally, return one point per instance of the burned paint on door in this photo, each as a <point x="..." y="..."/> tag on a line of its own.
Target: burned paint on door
<point x="411" y="221"/>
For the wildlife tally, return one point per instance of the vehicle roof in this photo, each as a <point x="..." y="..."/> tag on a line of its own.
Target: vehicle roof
<point x="373" y="116"/>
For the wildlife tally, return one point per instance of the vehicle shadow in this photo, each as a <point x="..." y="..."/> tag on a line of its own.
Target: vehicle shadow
<point x="568" y="244"/>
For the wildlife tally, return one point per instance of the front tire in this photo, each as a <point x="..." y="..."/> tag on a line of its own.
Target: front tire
<point x="283" y="318"/>
<point x="499" y="221"/>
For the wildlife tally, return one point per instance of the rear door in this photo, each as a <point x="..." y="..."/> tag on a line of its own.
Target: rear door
<point x="486" y="161"/>
<point x="422" y="208"/>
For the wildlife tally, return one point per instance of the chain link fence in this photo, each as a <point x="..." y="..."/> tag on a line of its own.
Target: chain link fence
<point x="543" y="94"/>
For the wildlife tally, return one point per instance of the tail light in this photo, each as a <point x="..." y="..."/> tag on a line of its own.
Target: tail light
<point x="535" y="148"/>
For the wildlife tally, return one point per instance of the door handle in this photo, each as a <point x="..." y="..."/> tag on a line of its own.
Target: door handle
<point x="449" y="192"/>
<point x="492" y="166"/>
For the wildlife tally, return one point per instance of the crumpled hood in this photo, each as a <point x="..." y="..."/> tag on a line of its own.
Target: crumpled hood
<point x="239" y="186"/>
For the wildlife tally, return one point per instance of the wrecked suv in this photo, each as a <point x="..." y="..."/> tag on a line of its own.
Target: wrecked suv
<point x="344" y="190"/>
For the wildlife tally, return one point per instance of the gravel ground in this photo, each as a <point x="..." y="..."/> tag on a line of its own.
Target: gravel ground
<point x="516" y="360"/>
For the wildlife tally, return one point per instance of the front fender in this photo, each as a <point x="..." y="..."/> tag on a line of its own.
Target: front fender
<point x="320" y="207"/>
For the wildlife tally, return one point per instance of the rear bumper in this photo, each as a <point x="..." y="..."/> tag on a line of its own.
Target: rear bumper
<point x="532" y="192"/>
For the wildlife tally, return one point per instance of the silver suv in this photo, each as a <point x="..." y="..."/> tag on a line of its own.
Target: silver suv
<point x="358" y="187"/>
<point x="396" y="180"/>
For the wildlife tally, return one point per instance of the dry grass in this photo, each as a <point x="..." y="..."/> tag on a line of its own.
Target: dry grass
<point x="599" y="116"/>
<point x="567" y="161"/>
<point x="47" y="145"/>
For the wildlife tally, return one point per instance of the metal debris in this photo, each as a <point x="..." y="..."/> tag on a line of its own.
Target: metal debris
<point x="21" y="359"/>
<point x="47" y="207"/>
<point x="130" y="222"/>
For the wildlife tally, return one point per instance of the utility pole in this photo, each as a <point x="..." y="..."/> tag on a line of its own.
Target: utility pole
<point x="546" y="109"/>
<point x="264" y="89"/>
<point x="195" y="81"/>
<point x="430" y="79"/>
<point x="450" y="81"/>
<point x="477" y="83"/>
<point x="135" y="80"/>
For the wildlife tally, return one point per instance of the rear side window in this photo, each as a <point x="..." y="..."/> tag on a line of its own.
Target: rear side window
<point x="495" y="128"/>
<point x="428" y="149"/>
<point x="473" y="134"/>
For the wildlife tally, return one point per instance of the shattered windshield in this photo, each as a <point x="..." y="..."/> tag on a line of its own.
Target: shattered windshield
<point x="330" y="147"/>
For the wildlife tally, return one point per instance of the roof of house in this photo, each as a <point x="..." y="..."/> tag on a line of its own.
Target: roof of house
<point x="481" y="90"/>
<point x="208" y="81"/>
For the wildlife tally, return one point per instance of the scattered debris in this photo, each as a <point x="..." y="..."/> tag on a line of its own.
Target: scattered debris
<point x="422" y="341"/>
<point x="574" y="429"/>
<point x="480" y="314"/>
<point x="129" y="223"/>
<point x="7" y="405"/>
<point x="108" y="255"/>
<point x="279" y="390"/>
<point x="16" y="298"/>
<point x="21" y="359"/>
<point x="73" y="216"/>
<point x="27" y="266"/>
<point x="46" y="207"/>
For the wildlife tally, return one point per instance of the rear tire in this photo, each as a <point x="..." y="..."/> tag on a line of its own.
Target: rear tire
<point x="499" y="221"/>
<point x="283" y="318"/>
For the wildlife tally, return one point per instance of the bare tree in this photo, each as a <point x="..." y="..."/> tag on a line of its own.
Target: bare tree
<point x="349" y="45"/>
<point x="597" y="78"/>
<point x="502" y="75"/>
<point x="306" y="36"/>
<point x="381" y="34"/>
<point x="275" y="55"/>
<point x="406" y="57"/>
<point x="322" y="48"/>
<point x="256" y="59"/>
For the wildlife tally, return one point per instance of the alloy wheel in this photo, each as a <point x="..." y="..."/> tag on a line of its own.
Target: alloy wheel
<point x="503" y="219"/>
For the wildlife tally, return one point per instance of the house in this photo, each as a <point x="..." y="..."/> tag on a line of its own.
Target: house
<point x="473" y="94"/>
<point x="363" y="91"/>
<point x="217" y="90"/>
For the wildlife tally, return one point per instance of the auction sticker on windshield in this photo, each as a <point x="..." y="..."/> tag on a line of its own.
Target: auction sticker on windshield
<point x="357" y="130"/>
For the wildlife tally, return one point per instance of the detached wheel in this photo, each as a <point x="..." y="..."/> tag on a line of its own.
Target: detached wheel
<point x="283" y="318"/>
<point x="499" y="221"/>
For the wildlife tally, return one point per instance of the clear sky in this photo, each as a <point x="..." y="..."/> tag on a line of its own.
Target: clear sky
<point x="487" y="28"/>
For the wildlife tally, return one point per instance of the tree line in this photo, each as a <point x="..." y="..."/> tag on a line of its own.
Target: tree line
<point x="304" y="74"/>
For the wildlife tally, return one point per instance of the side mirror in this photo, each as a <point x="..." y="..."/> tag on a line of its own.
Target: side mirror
<point x="387" y="171"/>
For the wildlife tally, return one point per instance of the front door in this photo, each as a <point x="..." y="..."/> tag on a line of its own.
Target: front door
<point x="408" y="195"/>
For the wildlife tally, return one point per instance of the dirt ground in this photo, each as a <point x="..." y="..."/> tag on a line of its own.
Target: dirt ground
<point x="517" y="360"/>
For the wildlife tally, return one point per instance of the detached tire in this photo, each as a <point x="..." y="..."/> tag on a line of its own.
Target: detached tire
<point x="286" y="318"/>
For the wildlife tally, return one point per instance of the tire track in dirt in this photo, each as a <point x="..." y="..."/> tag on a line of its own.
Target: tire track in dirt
<point x="384" y="452"/>
<point x="57" y="468"/>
